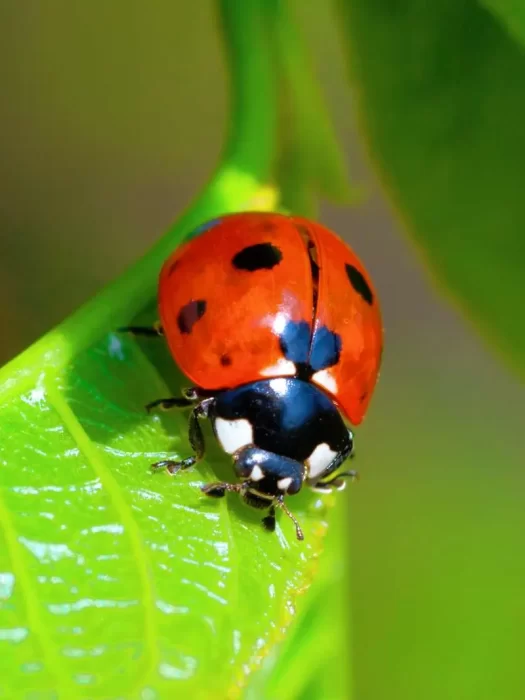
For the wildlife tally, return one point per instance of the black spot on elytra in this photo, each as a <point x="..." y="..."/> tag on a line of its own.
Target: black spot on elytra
<point x="225" y="360"/>
<point x="363" y="397"/>
<point x="261" y="256"/>
<point x="172" y="268"/>
<point x="190" y="314"/>
<point x="359" y="283"/>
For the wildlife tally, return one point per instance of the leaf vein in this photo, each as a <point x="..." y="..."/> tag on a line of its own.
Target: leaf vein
<point x="124" y="511"/>
<point x="35" y="623"/>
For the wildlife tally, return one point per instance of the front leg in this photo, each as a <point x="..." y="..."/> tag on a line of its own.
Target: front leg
<point x="187" y="400"/>
<point x="168" y="404"/>
<point x="248" y="492"/>
<point x="336" y="483"/>
<point x="148" y="331"/>
<point x="196" y="439"/>
<point x="218" y="489"/>
<point x="269" y="521"/>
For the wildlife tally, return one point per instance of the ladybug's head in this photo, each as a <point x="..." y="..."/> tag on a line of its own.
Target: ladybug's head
<point x="267" y="476"/>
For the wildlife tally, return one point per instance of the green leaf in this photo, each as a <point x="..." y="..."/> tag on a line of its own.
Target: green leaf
<point x="118" y="579"/>
<point x="115" y="582"/>
<point x="441" y="99"/>
<point x="512" y="13"/>
<point x="312" y="662"/>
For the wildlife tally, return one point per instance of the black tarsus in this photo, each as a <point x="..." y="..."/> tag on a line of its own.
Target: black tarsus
<point x="269" y="521"/>
<point x="188" y="399"/>
<point x="167" y="404"/>
<point x="172" y="466"/>
<point x="196" y="439"/>
<point x="217" y="489"/>
<point x="146" y="331"/>
<point x="336" y="483"/>
<point x="351" y="474"/>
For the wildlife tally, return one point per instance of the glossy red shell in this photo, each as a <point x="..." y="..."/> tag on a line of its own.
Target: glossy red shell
<point x="223" y="321"/>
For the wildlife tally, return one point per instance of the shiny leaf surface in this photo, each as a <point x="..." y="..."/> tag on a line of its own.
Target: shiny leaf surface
<point x="118" y="580"/>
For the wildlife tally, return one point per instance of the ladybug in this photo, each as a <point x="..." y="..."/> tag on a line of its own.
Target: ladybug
<point x="275" y="321"/>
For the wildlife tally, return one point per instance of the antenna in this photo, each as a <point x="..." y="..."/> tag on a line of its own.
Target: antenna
<point x="298" y="531"/>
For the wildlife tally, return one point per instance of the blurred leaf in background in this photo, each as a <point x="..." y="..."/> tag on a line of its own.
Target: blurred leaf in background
<point x="110" y="122"/>
<point x="442" y="101"/>
<point x="439" y="605"/>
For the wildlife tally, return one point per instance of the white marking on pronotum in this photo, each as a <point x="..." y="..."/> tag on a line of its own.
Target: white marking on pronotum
<point x="283" y="484"/>
<point x="233" y="434"/>
<point x="282" y="366"/>
<point x="257" y="473"/>
<point x="279" y="385"/>
<point x="325" y="379"/>
<point x="319" y="460"/>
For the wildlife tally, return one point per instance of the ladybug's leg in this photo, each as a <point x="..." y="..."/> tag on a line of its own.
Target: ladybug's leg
<point x="337" y="483"/>
<point x="269" y="520"/>
<point x="167" y="404"/>
<point x="154" y="330"/>
<point x="218" y="489"/>
<point x="196" y="441"/>
<point x="187" y="400"/>
<point x="281" y="504"/>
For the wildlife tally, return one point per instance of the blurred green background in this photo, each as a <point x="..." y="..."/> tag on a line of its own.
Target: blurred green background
<point x="112" y="117"/>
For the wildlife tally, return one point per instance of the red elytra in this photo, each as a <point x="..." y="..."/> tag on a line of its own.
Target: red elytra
<point x="226" y="296"/>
